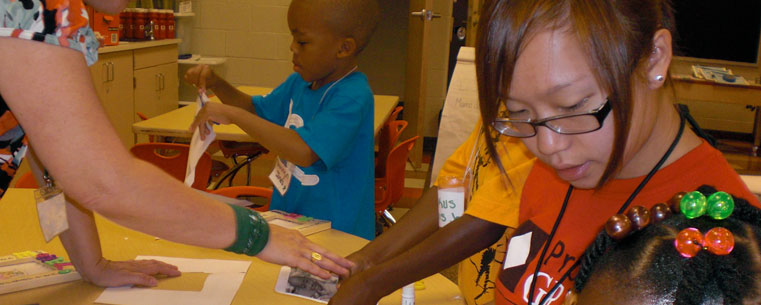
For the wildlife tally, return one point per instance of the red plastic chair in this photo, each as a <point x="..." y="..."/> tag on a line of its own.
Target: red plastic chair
<point x="26" y="181"/>
<point x="249" y="193"/>
<point x="389" y="189"/>
<point x="386" y="140"/>
<point x="173" y="159"/>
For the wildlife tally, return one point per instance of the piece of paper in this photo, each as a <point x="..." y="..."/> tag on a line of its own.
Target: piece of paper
<point x="197" y="146"/>
<point x="223" y="281"/>
<point x="299" y="283"/>
<point x="461" y="109"/>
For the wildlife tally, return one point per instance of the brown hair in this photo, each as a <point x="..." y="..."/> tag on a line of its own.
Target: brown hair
<point x="616" y="34"/>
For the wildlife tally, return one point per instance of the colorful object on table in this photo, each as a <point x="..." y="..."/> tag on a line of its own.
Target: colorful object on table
<point x="32" y="269"/>
<point x="720" y="205"/>
<point x="690" y="241"/>
<point x="719" y="241"/>
<point x="693" y="204"/>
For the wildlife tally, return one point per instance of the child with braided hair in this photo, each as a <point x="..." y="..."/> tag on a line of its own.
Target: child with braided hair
<point x="657" y="265"/>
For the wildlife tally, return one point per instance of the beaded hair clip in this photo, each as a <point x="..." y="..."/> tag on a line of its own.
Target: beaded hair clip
<point x="689" y="241"/>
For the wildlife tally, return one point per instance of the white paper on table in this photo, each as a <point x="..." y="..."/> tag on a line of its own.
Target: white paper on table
<point x="223" y="281"/>
<point x="198" y="147"/>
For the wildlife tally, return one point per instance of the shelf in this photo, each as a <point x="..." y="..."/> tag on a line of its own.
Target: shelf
<point x="180" y="15"/>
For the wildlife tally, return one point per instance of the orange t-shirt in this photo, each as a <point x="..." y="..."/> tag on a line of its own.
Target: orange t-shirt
<point x="585" y="215"/>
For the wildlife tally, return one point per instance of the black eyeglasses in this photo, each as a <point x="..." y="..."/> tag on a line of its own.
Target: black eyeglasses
<point x="562" y="124"/>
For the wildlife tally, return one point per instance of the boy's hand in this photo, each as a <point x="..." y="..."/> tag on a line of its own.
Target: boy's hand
<point x="214" y="113"/>
<point x="202" y="77"/>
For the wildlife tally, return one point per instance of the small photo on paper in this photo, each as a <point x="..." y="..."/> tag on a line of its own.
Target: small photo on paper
<point x="296" y="282"/>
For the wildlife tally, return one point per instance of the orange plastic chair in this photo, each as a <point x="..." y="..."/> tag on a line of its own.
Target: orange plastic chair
<point x="173" y="159"/>
<point x="386" y="141"/>
<point x="250" y="193"/>
<point x="389" y="189"/>
<point x="26" y="181"/>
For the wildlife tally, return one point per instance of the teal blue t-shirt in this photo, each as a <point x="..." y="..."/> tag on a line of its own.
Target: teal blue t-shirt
<point x="340" y="186"/>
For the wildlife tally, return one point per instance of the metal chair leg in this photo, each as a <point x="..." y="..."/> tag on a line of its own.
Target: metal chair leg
<point x="390" y="218"/>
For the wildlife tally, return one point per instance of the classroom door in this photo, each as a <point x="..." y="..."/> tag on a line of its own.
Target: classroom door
<point x="418" y="46"/>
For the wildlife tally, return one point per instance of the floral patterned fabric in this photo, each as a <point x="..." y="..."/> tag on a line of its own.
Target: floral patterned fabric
<point x="57" y="22"/>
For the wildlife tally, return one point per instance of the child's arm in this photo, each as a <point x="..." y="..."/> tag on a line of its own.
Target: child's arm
<point x="285" y="142"/>
<point x="204" y="78"/>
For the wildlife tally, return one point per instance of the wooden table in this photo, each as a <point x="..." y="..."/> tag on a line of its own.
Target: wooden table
<point x="176" y="122"/>
<point x="689" y="89"/>
<point x="21" y="232"/>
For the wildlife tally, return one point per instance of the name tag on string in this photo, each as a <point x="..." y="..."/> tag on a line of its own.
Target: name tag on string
<point x="281" y="175"/>
<point x="51" y="210"/>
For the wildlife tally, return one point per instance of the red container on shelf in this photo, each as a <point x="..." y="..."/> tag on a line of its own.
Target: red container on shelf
<point x="129" y="23"/>
<point x="163" y="17"/>
<point x="153" y="15"/>
<point x="141" y="22"/>
<point x="170" y="24"/>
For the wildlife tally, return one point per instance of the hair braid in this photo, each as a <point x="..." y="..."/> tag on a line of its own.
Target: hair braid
<point x="591" y="255"/>
<point x="695" y="275"/>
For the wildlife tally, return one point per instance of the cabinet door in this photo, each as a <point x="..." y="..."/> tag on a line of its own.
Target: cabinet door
<point x="112" y="77"/>
<point x="156" y="89"/>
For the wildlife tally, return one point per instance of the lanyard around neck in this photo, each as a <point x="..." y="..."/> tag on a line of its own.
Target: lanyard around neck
<point x="620" y="210"/>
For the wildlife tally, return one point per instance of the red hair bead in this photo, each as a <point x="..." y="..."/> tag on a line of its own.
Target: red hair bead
<point x="660" y="212"/>
<point x="719" y="241"/>
<point x="639" y="216"/>
<point x="618" y="226"/>
<point x="688" y="242"/>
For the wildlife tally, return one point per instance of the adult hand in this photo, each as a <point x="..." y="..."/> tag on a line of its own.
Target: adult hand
<point x="289" y="247"/>
<point x="213" y="113"/>
<point x="202" y="76"/>
<point x="108" y="273"/>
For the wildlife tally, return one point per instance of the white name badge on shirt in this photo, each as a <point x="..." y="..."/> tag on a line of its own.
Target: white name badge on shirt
<point x="451" y="204"/>
<point x="281" y="175"/>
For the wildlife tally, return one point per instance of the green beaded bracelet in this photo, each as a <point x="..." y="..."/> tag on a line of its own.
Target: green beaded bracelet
<point x="253" y="232"/>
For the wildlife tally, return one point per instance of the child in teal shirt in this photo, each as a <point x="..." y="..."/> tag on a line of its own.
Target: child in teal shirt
<point x="319" y="121"/>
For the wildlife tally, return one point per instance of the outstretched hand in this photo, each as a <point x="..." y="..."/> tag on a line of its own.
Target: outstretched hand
<point x="108" y="273"/>
<point x="289" y="247"/>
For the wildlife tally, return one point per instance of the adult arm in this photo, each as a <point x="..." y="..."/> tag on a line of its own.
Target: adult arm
<point x="460" y="239"/>
<point x="49" y="90"/>
<point x="83" y="246"/>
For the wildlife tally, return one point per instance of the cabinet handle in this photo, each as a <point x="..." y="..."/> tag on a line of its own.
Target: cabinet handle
<point x="111" y="71"/>
<point x="158" y="82"/>
<point x="163" y="81"/>
<point x="105" y="72"/>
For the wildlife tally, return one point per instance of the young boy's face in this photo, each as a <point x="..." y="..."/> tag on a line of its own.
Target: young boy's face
<point x="315" y="47"/>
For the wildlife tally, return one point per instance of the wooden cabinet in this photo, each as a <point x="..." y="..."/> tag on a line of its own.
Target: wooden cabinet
<point x="136" y="77"/>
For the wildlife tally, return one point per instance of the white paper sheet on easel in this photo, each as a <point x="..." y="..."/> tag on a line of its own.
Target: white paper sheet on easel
<point x="223" y="281"/>
<point x="198" y="147"/>
<point x="461" y="109"/>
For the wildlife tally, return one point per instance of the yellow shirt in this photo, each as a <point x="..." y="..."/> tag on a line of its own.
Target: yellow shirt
<point x="492" y="198"/>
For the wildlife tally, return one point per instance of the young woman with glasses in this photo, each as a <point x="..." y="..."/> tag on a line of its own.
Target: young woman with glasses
<point x="585" y="85"/>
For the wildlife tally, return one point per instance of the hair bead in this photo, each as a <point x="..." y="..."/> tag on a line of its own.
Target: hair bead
<point x="676" y="201"/>
<point x="693" y="204"/>
<point x="659" y="212"/>
<point x="618" y="226"/>
<point x="688" y="242"/>
<point x="720" y="205"/>
<point x="639" y="216"/>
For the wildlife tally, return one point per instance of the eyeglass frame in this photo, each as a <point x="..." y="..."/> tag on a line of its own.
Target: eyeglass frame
<point x="600" y="114"/>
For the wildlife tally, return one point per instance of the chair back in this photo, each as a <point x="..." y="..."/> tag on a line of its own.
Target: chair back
<point x="26" y="181"/>
<point x="173" y="159"/>
<point x="250" y="193"/>
<point x="386" y="140"/>
<point x="391" y="187"/>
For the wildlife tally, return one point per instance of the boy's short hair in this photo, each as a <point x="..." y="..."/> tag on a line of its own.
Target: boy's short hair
<point x="352" y="18"/>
